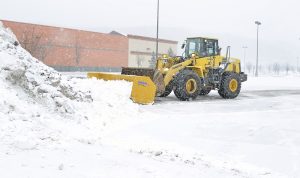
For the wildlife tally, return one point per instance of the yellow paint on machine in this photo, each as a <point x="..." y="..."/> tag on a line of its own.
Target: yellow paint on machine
<point x="143" y="89"/>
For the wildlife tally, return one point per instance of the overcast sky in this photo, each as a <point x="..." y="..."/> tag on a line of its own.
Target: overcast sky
<point x="232" y="21"/>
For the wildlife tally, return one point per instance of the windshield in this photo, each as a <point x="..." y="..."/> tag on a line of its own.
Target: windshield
<point x="192" y="46"/>
<point x="201" y="47"/>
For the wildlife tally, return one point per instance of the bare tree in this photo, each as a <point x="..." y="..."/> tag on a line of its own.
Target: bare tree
<point x="292" y="69"/>
<point x="270" y="68"/>
<point x="171" y="52"/>
<point x="77" y="50"/>
<point x="139" y="60"/>
<point x="276" y="68"/>
<point x="32" y="41"/>
<point x="260" y="69"/>
<point x="249" y="67"/>
<point x="152" y="61"/>
<point x="297" y="68"/>
<point x="287" y="68"/>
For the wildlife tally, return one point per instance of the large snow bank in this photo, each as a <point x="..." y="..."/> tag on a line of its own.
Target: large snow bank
<point x="41" y="82"/>
<point x="38" y="104"/>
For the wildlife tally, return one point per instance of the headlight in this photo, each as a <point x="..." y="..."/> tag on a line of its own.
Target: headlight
<point x="164" y="56"/>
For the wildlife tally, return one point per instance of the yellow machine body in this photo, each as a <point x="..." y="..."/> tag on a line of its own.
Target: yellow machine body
<point x="200" y="65"/>
<point x="149" y="83"/>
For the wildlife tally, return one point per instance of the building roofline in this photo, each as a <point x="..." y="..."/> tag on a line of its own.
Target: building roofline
<point x="151" y="39"/>
<point x="66" y="28"/>
<point x="129" y="36"/>
<point x="116" y="33"/>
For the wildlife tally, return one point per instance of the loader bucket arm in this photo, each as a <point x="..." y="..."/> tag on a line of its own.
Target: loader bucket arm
<point x="143" y="89"/>
<point x="175" y="69"/>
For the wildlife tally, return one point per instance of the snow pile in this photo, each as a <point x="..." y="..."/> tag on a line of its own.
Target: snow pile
<point x="38" y="105"/>
<point x="41" y="82"/>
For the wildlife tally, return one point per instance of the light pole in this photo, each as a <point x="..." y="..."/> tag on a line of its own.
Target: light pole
<point x="245" y="48"/>
<point x="297" y="64"/>
<point x="298" y="61"/>
<point x="157" y="29"/>
<point x="256" y="66"/>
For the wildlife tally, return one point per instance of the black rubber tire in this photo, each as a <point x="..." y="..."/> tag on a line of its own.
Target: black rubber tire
<point x="158" y="79"/>
<point x="180" y="90"/>
<point x="168" y="90"/>
<point x="205" y="91"/>
<point x="224" y="90"/>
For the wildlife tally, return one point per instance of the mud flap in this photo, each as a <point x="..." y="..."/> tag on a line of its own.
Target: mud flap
<point x="243" y="77"/>
<point x="143" y="89"/>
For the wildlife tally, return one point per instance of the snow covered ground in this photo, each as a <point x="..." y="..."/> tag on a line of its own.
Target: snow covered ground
<point x="255" y="135"/>
<point x="54" y="125"/>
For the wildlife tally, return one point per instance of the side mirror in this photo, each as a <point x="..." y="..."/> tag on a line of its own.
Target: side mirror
<point x="183" y="46"/>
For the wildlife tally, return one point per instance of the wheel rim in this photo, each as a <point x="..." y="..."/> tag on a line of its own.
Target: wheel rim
<point x="191" y="86"/>
<point x="233" y="85"/>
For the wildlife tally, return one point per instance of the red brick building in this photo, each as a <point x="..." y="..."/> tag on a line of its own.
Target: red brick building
<point x="72" y="50"/>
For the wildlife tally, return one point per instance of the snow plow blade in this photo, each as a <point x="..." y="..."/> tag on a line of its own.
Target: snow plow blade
<point x="155" y="76"/>
<point x="143" y="89"/>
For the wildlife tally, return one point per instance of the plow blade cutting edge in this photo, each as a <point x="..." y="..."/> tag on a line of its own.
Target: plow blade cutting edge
<point x="143" y="89"/>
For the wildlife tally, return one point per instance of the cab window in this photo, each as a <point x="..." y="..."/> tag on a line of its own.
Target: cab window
<point x="211" y="47"/>
<point x="192" y="47"/>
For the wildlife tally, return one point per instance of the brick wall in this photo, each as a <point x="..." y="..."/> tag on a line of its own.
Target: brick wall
<point x="72" y="49"/>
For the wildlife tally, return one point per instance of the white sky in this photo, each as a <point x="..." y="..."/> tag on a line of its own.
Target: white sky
<point x="232" y="21"/>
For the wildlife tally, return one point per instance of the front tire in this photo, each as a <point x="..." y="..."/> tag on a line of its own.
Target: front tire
<point x="168" y="90"/>
<point x="230" y="85"/>
<point x="187" y="85"/>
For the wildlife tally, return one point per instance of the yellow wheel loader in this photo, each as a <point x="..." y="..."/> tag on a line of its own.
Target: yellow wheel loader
<point x="200" y="70"/>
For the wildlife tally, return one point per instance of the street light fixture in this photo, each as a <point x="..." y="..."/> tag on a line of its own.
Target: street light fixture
<point x="157" y="29"/>
<point x="256" y="67"/>
<point x="245" y="48"/>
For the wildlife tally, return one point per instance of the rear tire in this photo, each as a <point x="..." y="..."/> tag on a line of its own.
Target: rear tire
<point x="230" y="85"/>
<point x="187" y="85"/>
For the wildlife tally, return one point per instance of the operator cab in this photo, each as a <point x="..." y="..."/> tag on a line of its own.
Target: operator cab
<point x="202" y="47"/>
